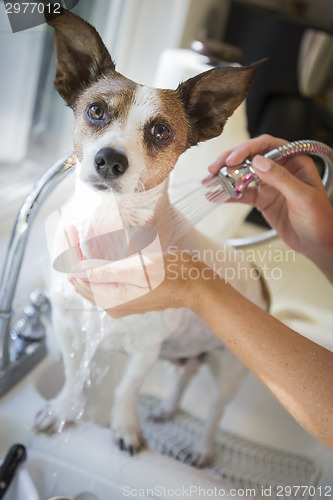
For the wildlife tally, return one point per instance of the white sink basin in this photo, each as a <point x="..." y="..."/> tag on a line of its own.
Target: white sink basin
<point x="82" y="460"/>
<point x="43" y="477"/>
<point x="84" y="464"/>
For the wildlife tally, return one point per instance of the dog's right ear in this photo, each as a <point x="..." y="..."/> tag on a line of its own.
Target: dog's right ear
<point x="211" y="97"/>
<point x="81" y="55"/>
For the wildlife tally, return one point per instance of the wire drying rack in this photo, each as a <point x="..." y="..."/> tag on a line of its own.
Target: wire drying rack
<point x="245" y="464"/>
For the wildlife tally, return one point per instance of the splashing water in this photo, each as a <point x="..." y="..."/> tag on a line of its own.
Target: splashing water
<point x="93" y="332"/>
<point x="190" y="208"/>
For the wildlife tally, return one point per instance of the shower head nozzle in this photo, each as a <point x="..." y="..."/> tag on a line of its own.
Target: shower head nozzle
<point x="235" y="181"/>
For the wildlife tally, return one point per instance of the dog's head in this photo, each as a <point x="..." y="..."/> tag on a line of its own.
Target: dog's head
<point x="127" y="136"/>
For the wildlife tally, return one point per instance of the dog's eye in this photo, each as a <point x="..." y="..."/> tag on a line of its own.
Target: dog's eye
<point x="96" y="111"/>
<point x="161" y="131"/>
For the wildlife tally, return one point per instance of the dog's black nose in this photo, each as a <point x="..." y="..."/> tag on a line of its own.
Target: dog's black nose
<point x="110" y="163"/>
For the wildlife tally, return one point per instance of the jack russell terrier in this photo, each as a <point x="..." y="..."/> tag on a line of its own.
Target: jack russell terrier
<point x="127" y="138"/>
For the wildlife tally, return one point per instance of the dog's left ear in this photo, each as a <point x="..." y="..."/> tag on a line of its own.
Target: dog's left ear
<point x="211" y="97"/>
<point x="81" y="55"/>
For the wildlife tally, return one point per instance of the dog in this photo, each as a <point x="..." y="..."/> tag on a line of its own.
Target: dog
<point x="128" y="138"/>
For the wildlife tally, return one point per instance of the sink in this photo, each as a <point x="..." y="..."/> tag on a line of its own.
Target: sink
<point x="43" y="477"/>
<point x="83" y="463"/>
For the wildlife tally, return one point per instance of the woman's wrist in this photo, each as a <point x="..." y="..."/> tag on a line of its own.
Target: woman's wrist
<point x="190" y="278"/>
<point x="202" y="291"/>
<point x="322" y="253"/>
<point x="324" y="261"/>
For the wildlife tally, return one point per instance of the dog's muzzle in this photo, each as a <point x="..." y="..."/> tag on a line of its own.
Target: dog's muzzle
<point x="110" y="163"/>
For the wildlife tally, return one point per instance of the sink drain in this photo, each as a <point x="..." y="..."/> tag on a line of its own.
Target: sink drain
<point x="82" y="496"/>
<point x="61" y="498"/>
<point x="86" y="496"/>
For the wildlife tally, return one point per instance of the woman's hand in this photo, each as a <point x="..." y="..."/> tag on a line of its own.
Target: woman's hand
<point x="119" y="282"/>
<point x="291" y="197"/>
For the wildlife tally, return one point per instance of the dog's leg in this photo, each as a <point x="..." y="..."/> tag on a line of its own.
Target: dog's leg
<point x="181" y="376"/>
<point x="124" y="419"/>
<point x="228" y="372"/>
<point x="68" y="405"/>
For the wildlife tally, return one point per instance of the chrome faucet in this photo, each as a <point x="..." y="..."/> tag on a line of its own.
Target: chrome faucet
<point x="22" y="345"/>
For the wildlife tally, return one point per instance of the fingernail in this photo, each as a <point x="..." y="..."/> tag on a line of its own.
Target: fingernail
<point x="231" y="157"/>
<point x="261" y="163"/>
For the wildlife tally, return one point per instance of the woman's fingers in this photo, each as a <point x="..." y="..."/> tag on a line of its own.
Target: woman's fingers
<point x="72" y="235"/>
<point x="137" y="270"/>
<point x="280" y="178"/>
<point x="82" y="287"/>
<point x="123" y="271"/>
<point x="237" y="155"/>
<point x="260" y="145"/>
<point x="108" y="295"/>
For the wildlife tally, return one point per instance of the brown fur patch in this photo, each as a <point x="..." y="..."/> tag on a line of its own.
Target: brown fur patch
<point x="161" y="156"/>
<point x="211" y="97"/>
<point x="116" y="92"/>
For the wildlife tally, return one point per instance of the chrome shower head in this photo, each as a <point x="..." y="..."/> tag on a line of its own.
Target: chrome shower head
<point x="234" y="181"/>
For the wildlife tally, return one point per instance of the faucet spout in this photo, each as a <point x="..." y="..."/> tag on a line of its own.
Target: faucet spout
<point x="29" y="209"/>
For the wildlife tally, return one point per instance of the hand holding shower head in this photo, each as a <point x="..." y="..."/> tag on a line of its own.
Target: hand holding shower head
<point x="235" y="181"/>
<point x="232" y="182"/>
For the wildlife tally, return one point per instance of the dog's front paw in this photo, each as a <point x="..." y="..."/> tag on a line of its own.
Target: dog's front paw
<point x="201" y="456"/>
<point x="50" y="420"/>
<point x="129" y="439"/>
<point x="56" y="415"/>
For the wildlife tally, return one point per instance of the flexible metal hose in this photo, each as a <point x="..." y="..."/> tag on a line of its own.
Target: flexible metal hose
<point x="314" y="148"/>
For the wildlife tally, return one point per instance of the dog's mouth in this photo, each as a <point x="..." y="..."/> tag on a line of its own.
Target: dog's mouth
<point x="115" y="187"/>
<point x="101" y="187"/>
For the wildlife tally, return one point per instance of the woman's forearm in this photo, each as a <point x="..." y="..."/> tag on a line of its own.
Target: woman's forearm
<point x="297" y="371"/>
